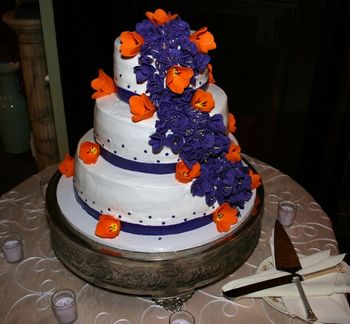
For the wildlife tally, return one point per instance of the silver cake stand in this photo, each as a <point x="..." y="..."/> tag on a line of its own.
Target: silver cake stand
<point x="169" y="278"/>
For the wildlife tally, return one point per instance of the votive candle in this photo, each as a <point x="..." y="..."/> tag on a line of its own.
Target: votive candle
<point x="12" y="247"/>
<point x="287" y="211"/>
<point x="181" y="317"/>
<point x="64" y="306"/>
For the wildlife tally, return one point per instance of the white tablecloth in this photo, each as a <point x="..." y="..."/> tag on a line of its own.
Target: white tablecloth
<point x="27" y="286"/>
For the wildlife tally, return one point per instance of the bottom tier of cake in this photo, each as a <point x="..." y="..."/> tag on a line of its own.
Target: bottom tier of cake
<point x="159" y="273"/>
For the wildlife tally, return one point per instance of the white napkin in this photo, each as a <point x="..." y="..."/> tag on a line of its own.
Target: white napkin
<point x="320" y="286"/>
<point x="325" y="293"/>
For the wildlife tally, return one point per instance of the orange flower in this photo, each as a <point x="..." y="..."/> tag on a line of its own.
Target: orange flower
<point x="160" y="17"/>
<point x="210" y="73"/>
<point x="107" y="226"/>
<point x="233" y="154"/>
<point x="103" y="84"/>
<point x="131" y="43"/>
<point x="225" y="216"/>
<point x="66" y="167"/>
<point x="141" y="107"/>
<point x="202" y="101"/>
<point x="256" y="180"/>
<point x="178" y="78"/>
<point x="231" y="123"/>
<point x="203" y="39"/>
<point x="89" y="152"/>
<point x="184" y="175"/>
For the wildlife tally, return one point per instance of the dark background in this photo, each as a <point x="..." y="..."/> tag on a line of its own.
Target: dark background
<point x="285" y="66"/>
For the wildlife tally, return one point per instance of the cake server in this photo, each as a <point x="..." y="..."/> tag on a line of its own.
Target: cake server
<point x="286" y="259"/>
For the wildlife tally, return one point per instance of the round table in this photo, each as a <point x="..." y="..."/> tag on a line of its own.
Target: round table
<point x="27" y="286"/>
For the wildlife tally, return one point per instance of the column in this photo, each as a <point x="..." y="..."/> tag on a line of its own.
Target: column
<point x="33" y="61"/>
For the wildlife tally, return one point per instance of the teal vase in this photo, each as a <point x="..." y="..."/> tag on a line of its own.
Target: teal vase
<point x="14" y="122"/>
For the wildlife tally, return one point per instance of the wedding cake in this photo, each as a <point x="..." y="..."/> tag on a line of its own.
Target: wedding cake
<point x="161" y="163"/>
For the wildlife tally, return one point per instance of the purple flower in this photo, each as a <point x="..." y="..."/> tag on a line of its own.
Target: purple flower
<point x="146" y="29"/>
<point x="144" y="72"/>
<point x="175" y="142"/>
<point x="157" y="142"/>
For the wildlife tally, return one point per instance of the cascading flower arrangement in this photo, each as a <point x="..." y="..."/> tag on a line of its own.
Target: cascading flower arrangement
<point x="170" y="59"/>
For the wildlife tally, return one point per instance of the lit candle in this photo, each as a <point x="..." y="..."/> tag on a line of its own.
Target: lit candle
<point x="64" y="306"/>
<point x="286" y="212"/>
<point x="12" y="247"/>
<point x="181" y="317"/>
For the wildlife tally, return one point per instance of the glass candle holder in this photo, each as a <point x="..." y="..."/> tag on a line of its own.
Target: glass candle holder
<point x="64" y="306"/>
<point x="287" y="211"/>
<point x="181" y="317"/>
<point x="12" y="247"/>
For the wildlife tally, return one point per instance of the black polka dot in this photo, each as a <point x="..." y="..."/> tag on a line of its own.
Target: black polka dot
<point x="120" y="75"/>
<point x="129" y="213"/>
<point x="140" y="220"/>
<point x="194" y="213"/>
<point x="158" y="161"/>
<point x="145" y="151"/>
<point x="115" y="152"/>
<point x="85" y="200"/>
<point x="135" y="158"/>
<point x="163" y="223"/>
<point x="167" y="154"/>
<point x="109" y="209"/>
<point x="173" y="216"/>
<point x="93" y="203"/>
<point x="108" y="140"/>
<point x="123" y="145"/>
<point x="149" y="216"/>
<point x="101" y="211"/>
<point x="159" y="238"/>
<point x="81" y="192"/>
<point x="128" y="86"/>
<point x="103" y="144"/>
<point x="185" y="219"/>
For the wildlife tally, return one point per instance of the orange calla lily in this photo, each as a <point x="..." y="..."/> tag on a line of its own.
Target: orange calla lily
<point x="131" y="43"/>
<point x="210" y="73"/>
<point x="231" y="123"/>
<point x="66" y="167"/>
<point x="160" y="17"/>
<point x="256" y="180"/>
<point x="233" y="154"/>
<point x="104" y="85"/>
<point x="178" y="78"/>
<point x="107" y="226"/>
<point x="203" y="39"/>
<point x="202" y="101"/>
<point x="225" y="216"/>
<point x="89" y="152"/>
<point x="184" y="175"/>
<point x="141" y="107"/>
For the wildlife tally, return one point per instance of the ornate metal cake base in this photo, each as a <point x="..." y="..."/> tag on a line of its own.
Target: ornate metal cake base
<point x="169" y="278"/>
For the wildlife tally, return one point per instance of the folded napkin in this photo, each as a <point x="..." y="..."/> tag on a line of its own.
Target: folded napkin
<point x="333" y="283"/>
<point x="325" y="293"/>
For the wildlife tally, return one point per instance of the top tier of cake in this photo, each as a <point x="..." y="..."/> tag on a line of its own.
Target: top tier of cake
<point x="124" y="75"/>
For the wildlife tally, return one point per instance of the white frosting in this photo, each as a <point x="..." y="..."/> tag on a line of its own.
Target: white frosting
<point x="125" y="78"/>
<point x="85" y="224"/>
<point x="141" y="198"/>
<point x="117" y="133"/>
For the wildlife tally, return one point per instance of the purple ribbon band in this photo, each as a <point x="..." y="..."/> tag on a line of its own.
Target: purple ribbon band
<point x="125" y="95"/>
<point x="151" y="230"/>
<point x="153" y="168"/>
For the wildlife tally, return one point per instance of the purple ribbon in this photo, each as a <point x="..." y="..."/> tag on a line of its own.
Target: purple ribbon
<point x="125" y="95"/>
<point x="151" y="230"/>
<point x="153" y="168"/>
